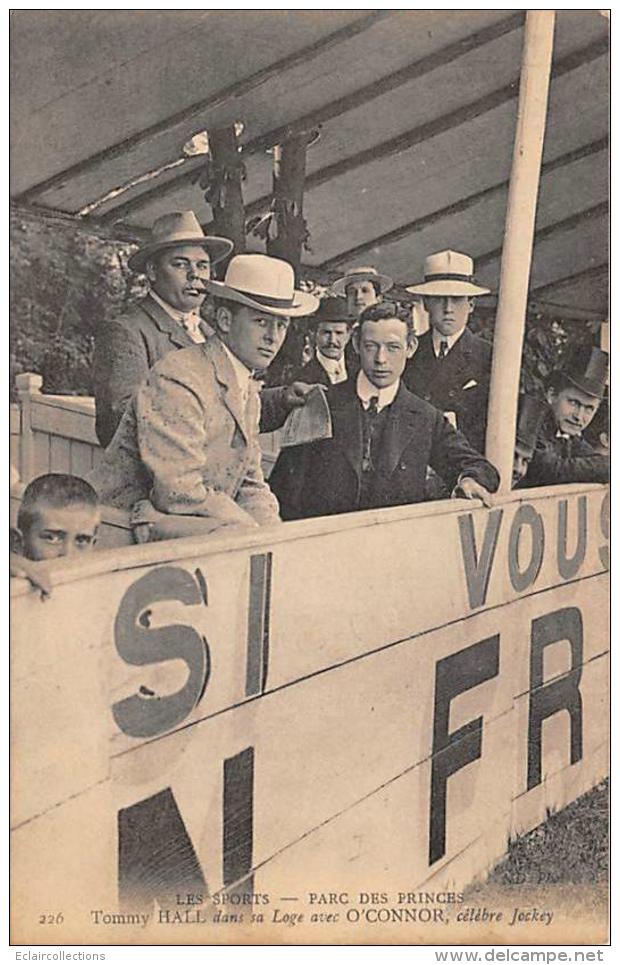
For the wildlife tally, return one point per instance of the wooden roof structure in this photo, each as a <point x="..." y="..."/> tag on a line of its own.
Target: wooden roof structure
<point x="416" y="111"/>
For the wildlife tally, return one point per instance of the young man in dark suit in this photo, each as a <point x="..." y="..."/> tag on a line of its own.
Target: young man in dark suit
<point x="384" y="437"/>
<point x="452" y="367"/>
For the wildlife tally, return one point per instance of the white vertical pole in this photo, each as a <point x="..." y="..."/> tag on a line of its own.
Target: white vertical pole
<point x="518" y="241"/>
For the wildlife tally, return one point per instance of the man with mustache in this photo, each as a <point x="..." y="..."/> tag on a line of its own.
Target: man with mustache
<point x="185" y="459"/>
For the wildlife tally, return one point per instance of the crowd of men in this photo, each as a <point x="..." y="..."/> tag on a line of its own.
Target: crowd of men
<point x="179" y="400"/>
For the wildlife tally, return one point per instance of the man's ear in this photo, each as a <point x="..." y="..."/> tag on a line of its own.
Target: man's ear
<point x="412" y="344"/>
<point x="472" y="304"/>
<point x="551" y="396"/>
<point x="355" y="338"/>
<point x="223" y="319"/>
<point x="151" y="272"/>
<point x="16" y="541"/>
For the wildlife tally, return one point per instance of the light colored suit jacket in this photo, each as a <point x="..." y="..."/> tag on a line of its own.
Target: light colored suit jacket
<point x="188" y="443"/>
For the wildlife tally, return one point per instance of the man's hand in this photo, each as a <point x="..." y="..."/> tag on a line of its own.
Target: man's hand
<point x="471" y="489"/>
<point x="295" y="394"/>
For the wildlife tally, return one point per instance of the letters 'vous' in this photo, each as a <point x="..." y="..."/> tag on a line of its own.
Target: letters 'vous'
<point x="478" y="558"/>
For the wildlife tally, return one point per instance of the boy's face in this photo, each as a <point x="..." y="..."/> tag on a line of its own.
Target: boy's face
<point x="60" y="531"/>
<point x="384" y="348"/>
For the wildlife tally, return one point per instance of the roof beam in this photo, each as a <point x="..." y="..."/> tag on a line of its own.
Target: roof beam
<point x="596" y="211"/>
<point x="584" y="275"/>
<point x="228" y="93"/>
<point x="418" y="224"/>
<point x="430" y="129"/>
<point x="342" y="105"/>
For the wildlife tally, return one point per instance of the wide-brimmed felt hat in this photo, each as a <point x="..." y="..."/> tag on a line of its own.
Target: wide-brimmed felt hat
<point x="585" y="369"/>
<point x="175" y="229"/>
<point x="339" y="287"/>
<point x="334" y="310"/>
<point x="448" y="273"/>
<point x="531" y="414"/>
<point x="266" y="283"/>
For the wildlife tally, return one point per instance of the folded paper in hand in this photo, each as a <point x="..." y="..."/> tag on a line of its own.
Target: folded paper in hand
<point x="309" y="422"/>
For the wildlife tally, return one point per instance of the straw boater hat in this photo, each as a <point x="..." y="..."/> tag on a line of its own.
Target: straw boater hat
<point x="179" y="228"/>
<point x="361" y="274"/>
<point x="265" y="283"/>
<point x="448" y="273"/>
<point x="588" y="371"/>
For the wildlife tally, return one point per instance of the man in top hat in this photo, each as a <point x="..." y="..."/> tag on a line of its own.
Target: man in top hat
<point x="531" y="413"/>
<point x="452" y="367"/>
<point x="384" y="437"/>
<point x="177" y="262"/>
<point x="574" y="394"/>
<point x="185" y="457"/>
<point x="331" y="331"/>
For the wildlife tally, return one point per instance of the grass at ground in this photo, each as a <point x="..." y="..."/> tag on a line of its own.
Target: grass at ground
<point x="570" y="847"/>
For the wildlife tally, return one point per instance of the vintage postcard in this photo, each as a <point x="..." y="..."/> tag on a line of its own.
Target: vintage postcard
<point x="310" y="451"/>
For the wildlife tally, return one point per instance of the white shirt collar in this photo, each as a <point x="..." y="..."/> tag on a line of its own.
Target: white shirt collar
<point x="242" y="372"/>
<point x="366" y="390"/>
<point x="190" y="321"/>
<point x="336" y="370"/>
<point x="438" y="338"/>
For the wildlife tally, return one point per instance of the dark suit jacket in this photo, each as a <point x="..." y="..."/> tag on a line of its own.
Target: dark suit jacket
<point x="125" y="351"/>
<point x="325" y="477"/>
<point x="442" y="382"/>
<point x="312" y="372"/>
<point x="557" y="461"/>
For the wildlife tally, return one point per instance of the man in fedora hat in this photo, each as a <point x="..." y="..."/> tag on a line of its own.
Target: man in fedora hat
<point x="331" y="331"/>
<point x="452" y="367"/>
<point x="185" y="457"/>
<point x="384" y="437"/>
<point x="574" y="394"/>
<point x="177" y="261"/>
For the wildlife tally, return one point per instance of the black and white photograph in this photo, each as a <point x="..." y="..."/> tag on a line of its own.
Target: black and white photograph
<point x="309" y="478"/>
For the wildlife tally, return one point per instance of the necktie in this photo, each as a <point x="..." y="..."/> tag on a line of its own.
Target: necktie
<point x="443" y="349"/>
<point x="191" y="324"/>
<point x="369" y="419"/>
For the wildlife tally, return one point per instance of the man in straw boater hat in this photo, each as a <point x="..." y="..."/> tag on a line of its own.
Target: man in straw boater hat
<point x="452" y="367"/>
<point x="185" y="457"/>
<point x="177" y="261"/>
<point x="574" y="395"/>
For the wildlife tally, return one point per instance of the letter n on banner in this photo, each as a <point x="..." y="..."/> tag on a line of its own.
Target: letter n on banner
<point x="156" y="856"/>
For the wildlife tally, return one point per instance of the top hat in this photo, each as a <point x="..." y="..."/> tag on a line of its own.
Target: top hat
<point x="384" y="282"/>
<point x="531" y="414"/>
<point x="334" y="310"/>
<point x="448" y="273"/>
<point x="588" y="371"/>
<point x="179" y="228"/>
<point x="263" y="282"/>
